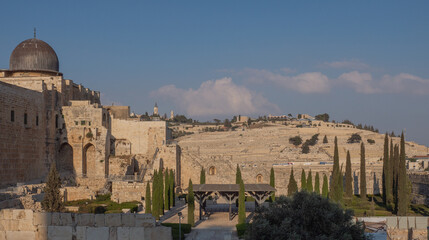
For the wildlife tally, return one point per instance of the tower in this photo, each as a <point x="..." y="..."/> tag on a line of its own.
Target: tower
<point x="172" y="115"/>
<point x="155" y="110"/>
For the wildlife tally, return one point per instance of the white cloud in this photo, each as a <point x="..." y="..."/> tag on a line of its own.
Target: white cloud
<point x="312" y="82"/>
<point x="218" y="97"/>
<point x="361" y="82"/>
<point x="347" y="64"/>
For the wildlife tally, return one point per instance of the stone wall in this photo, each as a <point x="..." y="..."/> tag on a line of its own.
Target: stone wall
<point x="26" y="224"/>
<point x="420" y="187"/>
<point x="123" y="191"/>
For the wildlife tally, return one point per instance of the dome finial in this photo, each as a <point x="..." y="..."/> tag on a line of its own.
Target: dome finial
<point x="34" y="33"/>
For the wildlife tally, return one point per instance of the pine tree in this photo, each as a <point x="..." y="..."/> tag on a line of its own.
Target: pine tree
<point x="303" y="181"/>
<point x="191" y="204"/>
<point x="325" y="186"/>
<point x="272" y="184"/>
<point x="336" y="193"/>
<point x="155" y="190"/>
<point x="203" y="176"/>
<point x="325" y="139"/>
<point x="238" y="175"/>
<point x="402" y="181"/>
<point x="349" y="178"/>
<point x="362" y="172"/>
<point x="317" y="183"/>
<point x="292" y="187"/>
<point x="52" y="201"/>
<point x="166" y="190"/>
<point x="171" y="188"/>
<point x="310" y="182"/>
<point x="241" y="205"/>
<point x="148" y="203"/>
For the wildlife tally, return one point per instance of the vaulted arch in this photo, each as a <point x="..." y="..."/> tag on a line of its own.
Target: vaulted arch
<point x="88" y="163"/>
<point x="65" y="158"/>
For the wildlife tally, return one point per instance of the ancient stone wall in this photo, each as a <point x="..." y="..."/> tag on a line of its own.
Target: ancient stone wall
<point x="420" y="187"/>
<point x="26" y="224"/>
<point x="22" y="134"/>
<point x="123" y="191"/>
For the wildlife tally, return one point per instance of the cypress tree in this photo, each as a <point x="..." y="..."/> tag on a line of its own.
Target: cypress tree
<point x="161" y="192"/>
<point x="341" y="185"/>
<point x="325" y="186"/>
<point x="362" y="172"/>
<point x="292" y="187"/>
<point x="309" y="182"/>
<point x="386" y="177"/>
<point x="402" y="181"/>
<point x="171" y="188"/>
<point x="349" y="178"/>
<point x="166" y="190"/>
<point x="395" y="177"/>
<point x="155" y="203"/>
<point x="325" y="139"/>
<point x="317" y="183"/>
<point x="191" y="204"/>
<point x="336" y="193"/>
<point x="272" y="184"/>
<point x="303" y="181"/>
<point x="241" y="205"/>
<point x="390" y="179"/>
<point x="203" y="176"/>
<point x="238" y="175"/>
<point x="148" y="203"/>
<point x="52" y="201"/>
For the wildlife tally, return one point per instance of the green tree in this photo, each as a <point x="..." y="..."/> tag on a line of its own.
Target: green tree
<point x="387" y="176"/>
<point x="395" y="177"/>
<point x="303" y="181"/>
<point x="241" y="205"/>
<point x="148" y="203"/>
<point x="325" y="139"/>
<point x="403" y="191"/>
<point x="317" y="183"/>
<point x="52" y="201"/>
<point x="171" y="188"/>
<point x="390" y="183"/>
<point x="166" y="190"/>
<point x="349" y="178"/>
<point x="310" y="182"/>
<point x="362" y="172"/>
<point x="161" y="193"/>
<point x="322" y="117"/>
<point x="155" y="194"/>
<point x="272" y="184"/>
<point x="292" y="187"/>
<point x="203" y="176"/>
<point x="295" y="218"/>
<point x="191" y="204"/>
<point x="238" y="175"/>
<point x="336" y="193"/>
<point x="325" y="190"/>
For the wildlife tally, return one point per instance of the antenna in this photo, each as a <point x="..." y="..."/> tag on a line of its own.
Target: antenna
<point x="34" y="32"/>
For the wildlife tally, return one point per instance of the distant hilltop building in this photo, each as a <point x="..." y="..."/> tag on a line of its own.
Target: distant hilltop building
<point x="45" y="118"/>
<point x="242" y="119"/>
<point x="171" y="115"/>
<point x="155" y="110"/>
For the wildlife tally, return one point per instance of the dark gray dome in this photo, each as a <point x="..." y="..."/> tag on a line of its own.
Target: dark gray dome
<point x="34" y="55"/>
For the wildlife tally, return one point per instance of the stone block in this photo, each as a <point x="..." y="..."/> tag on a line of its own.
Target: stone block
<point x="19" y="214"/>
<point x="138" y="233"/>
<point x="7" y="213"/>
<point x="391" y="222"/>
<point x="97" y="233"/>
<point x="161" y="232"/>
<point x="85" y="219"/>
<point x="60" y="232"/>
<point x="20" y="235"/>
<point x="112" y="220"/>
<point x="56" y="220"/>
<point x="128" y="220"/>
<point x="66" y="219"/>
<point x="10" y="225"/>
<point x="99" y="220"/>
<point x="144" y="220"/>
<point x="123" y="233"/>
<point x="403" y="222"/>
<point x="421" y="222"/>
<point x="42" y="233"/>
<point x="2" y="235"/>
<point x="43" y="219"/>
<point x="113" y="233"/>
<point x="81" y="233"/>
<point x="26" y="225"/>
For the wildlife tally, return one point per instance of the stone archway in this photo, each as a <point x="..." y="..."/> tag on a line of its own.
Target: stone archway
<point x="212" y="170"/>
<point x="65" y="158"/>
<point x="88" y="164"/>
<point x="259" y="178"/>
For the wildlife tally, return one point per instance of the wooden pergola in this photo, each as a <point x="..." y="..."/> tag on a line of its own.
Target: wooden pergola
<point x="260" y="192"/>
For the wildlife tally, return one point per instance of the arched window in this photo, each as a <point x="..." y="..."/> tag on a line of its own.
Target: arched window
<point x="259" y="178"/>
<point x="212" y="170"/>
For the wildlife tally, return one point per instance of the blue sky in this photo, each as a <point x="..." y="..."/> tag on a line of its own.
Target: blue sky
<point x="366" y="61"/>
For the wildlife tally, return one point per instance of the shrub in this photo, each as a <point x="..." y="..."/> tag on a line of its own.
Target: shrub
<point x="297" y="140"/>
<point x="305" y="148"/>
<point x="370" y="141"/>
<point x="185" y="228"/>
<point x="354" y="138"/>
